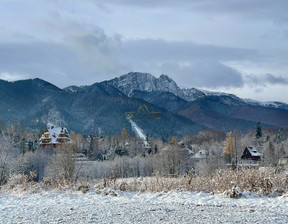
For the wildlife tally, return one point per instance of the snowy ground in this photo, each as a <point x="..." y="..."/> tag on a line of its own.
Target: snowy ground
<point x="171" y="207"/>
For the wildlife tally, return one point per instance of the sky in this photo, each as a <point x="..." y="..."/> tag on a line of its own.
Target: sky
<point x="235" y="46"/>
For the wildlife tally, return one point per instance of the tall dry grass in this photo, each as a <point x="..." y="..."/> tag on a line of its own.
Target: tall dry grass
<point x="259" y="181"/>
<point x="263" y="181"/>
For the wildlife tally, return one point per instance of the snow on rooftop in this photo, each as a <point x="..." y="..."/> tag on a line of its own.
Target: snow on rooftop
<point x="254" y="151"/>
<point x="54" y="133"/>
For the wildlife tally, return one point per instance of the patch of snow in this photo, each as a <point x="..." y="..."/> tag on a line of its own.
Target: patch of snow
<point x="132" y="207"/>
<point x="272" y="104"/>
<point x="137" y="130"/>
<point x="71" y="89"/>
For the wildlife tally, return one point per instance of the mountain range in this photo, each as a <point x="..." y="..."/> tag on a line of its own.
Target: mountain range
<point x="101" y="108"/>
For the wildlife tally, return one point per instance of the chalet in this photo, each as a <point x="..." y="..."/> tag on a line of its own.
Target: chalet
<point x="54" y="136"/>
<point x="251" y="154"/>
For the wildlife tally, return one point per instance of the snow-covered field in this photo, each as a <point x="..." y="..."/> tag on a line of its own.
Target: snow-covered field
<point x="124" y="207"/>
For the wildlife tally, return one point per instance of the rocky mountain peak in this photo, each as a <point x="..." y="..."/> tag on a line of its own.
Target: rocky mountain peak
<point x="145" y="82"/>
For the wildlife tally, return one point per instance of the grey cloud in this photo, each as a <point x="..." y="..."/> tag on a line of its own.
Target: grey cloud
<point x="87" y="56"/>
<point x="209" y="74"/>
<point x="98" y="51"/>
<point x="112" y="55"/>
<point x="266" y="79"/>
<point x="257" y="9"/>
<point x="275" y="79"/>
<point x="94" y="49"/>
<point x="56" y="63"/>
<point x="149" y="49"/>
<point x="146" y="3"/>
<point x="90" y="55"/>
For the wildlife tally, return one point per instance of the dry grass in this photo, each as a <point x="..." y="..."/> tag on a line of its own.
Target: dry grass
<point x="259" y="181"/>
<point x="23" y="182"/>
<point x="263" y="181"/>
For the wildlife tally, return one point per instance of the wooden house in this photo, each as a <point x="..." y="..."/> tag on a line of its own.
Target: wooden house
<point x="54" y="136"/>
<point x="251" y="157"/>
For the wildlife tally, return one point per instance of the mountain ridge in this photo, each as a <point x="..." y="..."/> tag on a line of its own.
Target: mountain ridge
<point x="100" y="108"/>
<point x="132" y="81"/>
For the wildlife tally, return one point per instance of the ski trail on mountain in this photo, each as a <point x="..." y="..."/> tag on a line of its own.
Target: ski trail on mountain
<point x="137" y="130"/>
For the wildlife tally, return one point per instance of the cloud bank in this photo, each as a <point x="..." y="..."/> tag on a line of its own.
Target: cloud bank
<point x="237" y="45"/>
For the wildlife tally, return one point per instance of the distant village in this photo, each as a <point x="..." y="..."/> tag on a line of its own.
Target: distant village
<point x="56" y="156"/>
<point x="208" y="147"/>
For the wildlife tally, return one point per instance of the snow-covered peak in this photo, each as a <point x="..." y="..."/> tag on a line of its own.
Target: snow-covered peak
<point x="191" y="94"/>
<point x="135" y="81"/>
<point x="145" y="82"/>
<point x="166" y="84"/>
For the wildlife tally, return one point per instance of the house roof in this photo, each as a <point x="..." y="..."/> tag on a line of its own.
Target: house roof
<point x="253" y="151"/>
<point x="54" y="133"/>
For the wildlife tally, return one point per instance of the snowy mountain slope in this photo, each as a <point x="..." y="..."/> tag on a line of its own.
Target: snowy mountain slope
<point x="191" y="94"/>
<point x="137" y="130"/>
<point x="97" y="109"/>
<point x="272" y="104"/>
<point x="145" y="82"/>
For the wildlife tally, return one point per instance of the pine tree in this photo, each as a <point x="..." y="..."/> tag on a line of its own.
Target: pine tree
<point x="228" y="148"/>
<point x="156" y="149"/>
<point x="258" y="130"/>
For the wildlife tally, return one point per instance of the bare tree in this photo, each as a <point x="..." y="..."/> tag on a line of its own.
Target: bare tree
<point x="34" y="161"/>
<point x="208" y="166"/>
<point x="172" y="160"/>
<point x="10" y="141"/>
<point x="61" y="169"/>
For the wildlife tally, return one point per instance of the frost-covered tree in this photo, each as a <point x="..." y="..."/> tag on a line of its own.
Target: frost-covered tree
<point x="10" y="142"/>
<point x="61" y="169"/>
<point x="270" y="154"/>
<point x="281" y="135"/>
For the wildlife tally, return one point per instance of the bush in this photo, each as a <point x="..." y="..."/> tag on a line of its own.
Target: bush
<point x="25" y="182"/>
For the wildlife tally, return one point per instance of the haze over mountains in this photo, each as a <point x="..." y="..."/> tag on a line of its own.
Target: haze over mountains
<point x="100" y="108"/>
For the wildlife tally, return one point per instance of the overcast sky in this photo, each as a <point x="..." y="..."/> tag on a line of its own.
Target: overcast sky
<point x="235" y="46"/>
